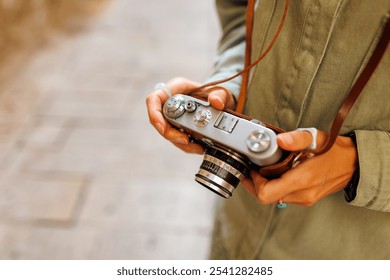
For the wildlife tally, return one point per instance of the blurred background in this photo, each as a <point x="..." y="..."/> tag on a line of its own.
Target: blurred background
<point x="83" y="175"/>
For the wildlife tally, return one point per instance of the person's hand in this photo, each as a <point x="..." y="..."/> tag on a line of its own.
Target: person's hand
<point x="218" y="98"/>
<point x="311" y="180"/>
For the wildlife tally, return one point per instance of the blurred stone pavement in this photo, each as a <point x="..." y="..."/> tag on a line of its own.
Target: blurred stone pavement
<point x="83" y="175"/>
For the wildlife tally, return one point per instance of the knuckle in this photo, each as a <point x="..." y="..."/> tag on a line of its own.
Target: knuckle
<point x="148" y="99"/>
<point x="308" y="204"/>
<point x="262" y="201"/>
<point x="177" y="80"/>
<point x="262" y="197"/>
<point x="310" y="200"/>
<point x="153" y="122"/>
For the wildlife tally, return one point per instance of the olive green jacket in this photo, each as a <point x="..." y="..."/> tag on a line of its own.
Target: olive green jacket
<point x="321" y="50"/>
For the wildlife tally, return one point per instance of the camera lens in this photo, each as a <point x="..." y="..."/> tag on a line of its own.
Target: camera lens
<point x="222" y="170"/>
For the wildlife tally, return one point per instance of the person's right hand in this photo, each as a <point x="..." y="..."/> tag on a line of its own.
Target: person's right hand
<point x="218" y="98"/>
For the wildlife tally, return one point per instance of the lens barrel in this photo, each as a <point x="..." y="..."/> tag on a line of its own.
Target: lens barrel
<point x="221" y="170"/>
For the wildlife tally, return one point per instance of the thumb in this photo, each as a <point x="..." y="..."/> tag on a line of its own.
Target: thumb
<point x="220" y="98"/>
<point x="299" y="140"/>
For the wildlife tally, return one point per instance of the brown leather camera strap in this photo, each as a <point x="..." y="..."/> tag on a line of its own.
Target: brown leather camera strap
<point x="357" y="88"/>
<point x="250" y="12"/>
<point x="248" y="65"/>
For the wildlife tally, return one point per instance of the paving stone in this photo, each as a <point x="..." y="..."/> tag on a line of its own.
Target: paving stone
<point x="159" y="202"/>
<point x="45" y="136"/>
<point x="155" y="244"/>
<point x="51" y="243"/>
<point x="45" y="198"/>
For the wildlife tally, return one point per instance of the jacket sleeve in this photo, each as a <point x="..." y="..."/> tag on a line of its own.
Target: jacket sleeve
<point x="231" y="49"/>
<point x="373" y="190"/>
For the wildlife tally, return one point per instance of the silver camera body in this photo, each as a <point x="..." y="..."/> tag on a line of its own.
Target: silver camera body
<point x="233" y="143"/>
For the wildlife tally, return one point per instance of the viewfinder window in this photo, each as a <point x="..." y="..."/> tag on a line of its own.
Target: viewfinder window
<point x="226" y="122"/>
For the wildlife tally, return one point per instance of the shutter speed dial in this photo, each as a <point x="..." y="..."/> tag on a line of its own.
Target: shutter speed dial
<point x="202" y="117"/>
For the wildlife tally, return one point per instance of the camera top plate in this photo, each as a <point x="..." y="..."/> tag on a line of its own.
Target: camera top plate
<point x="223" y="128"/>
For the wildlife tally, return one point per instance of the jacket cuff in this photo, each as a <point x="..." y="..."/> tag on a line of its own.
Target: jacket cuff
<point x="229" y="63"/>
<point x="373" y="190"/>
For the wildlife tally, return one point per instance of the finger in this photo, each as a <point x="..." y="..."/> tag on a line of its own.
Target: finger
<point x="181" y="140"/>
<point x="175" y="136"/>
<point x="262" y="187"/>
<point x="190" y="148"/>
<point x="221" y="99"/>
<point x="269" y="191"/>
<point x="157" y="98"/>
<point x="307" y="197"/>
<point x="154" y="102"/>
<point x="180" y="85"/>
<point x="299" y="140"/>
<point x="249" y="186"/>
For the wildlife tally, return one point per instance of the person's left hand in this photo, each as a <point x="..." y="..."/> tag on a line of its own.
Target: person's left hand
<point x="311" y="180"/>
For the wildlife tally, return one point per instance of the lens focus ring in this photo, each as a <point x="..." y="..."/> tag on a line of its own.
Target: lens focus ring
<point x="222" y="170"/>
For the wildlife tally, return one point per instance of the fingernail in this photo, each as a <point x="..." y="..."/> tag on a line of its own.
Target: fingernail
<point x="160" y="128"/>
<point x="220" y="100"/>
<point x="287" y="139"/>
<point x="183" y="141"/>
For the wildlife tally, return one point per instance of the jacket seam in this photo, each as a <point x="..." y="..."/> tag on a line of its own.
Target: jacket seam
<point x="304" y="102"/>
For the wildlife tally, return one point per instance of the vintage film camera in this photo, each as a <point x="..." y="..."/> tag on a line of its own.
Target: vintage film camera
<point x="233" y="144"/>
